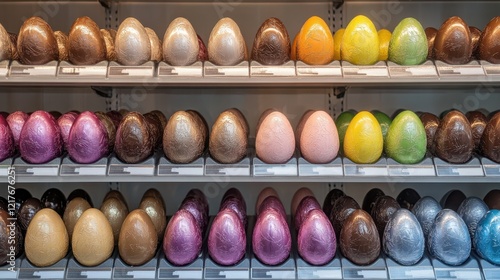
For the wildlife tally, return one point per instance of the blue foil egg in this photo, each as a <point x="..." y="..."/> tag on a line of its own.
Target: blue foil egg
<point x="472" y="210"/>
<point x="487" y="237"/>
<point x="403" y="239"/>
<point x="449" y="240"/>
<point x="426" y="210"/>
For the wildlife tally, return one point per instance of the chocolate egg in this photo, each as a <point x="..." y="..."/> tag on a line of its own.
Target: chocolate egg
<point x="54" y="199"/>
<point x="492" y="199"/>
<point x="430" y="33"/>
<point x="271" y="45"/>
<point x="7" y="144"/>
<point x="431" y="123"/>
<point x="133" y="142"/>
<point x="110" y="128"/>
<point x="359" y="238"/>
<point x="306" y="205"/>
<point x="156" y="211"/>
<point x="62" y="45"/>
<point x="403" y="238"/>
<point x="183" y="239"/>
<point x="226" y="45"/>
<point x="449" y="240"/>
<point x="272" y="202"/>
<point x="330" y="199"/>
<point x="161" y="117"/>
<point x="237" y="206"/>
<point x="228" y="138"/>
<point x="452" y="199"/>
<point x="36" y="43"/>
<point x="370" y="199"/>
<point x="115" y="211"/>
<point x="382" y="211"/>
<point x="319" y="139"/>
<point x="203" y="52"/>
<point x="116" y="194"/>
<point x="275" y="141"/>
<point x="132" y="44"/>
<point x="315" y="43"/>
<point x="196" y="209"/>
<point x="16" y="122"/>
<point x="46" y="240"/>
<point x="11" y="238"/>
<point x="200" y="197"/>
<point x="109" y="35"/>
<point x="155" y="129"/>
<point x="138" y="241"/>
<point x="92" y="242"/>
<point x="426" y="210"/>
<point x="475" y="34"/>
<point x="268" y="191"/>
<point x="13" y="46"/>
<point x="453" y="141"/>
<point x="180" y="43"/>
<point x="86" y="44"/>
<point x="472" y="210"/>
<point x="227" y="238"/>
<point x="489" y="43"/>
<point x="478" y="123"/>
<point x="271" y="238"/>
<point x="88" y="139"/>
<point x="487" y="237"/>
<point x="154" y="193"/>
<point x="27" y="211"/>
<point x="156" y="45"/>
<point x="3" y="203"/>
<point x="297" y="198"/>
<point x="343" y="208"/>
<point x="184" y="137"/>
<point x="316" y="241"/>
<point x="79" y="193"/>
<point x="73" y="212"/>
<point x="407" y="198"/>
<point x="65" y="122"/>
<point x="453" y="43"/>
<point x="490" y="140"/>
<point x="20" y="197"/>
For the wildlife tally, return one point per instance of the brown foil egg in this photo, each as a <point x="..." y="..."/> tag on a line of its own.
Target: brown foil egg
<point x="115" y="210"/>
<point x="228" y="138"/>
<point x="155" y="208"/>
<point x="478" y="123"/>
<point x="475" y="34"/>
<point x="36" y="43"/>
<point x="62" y="45"/>
<point x="453" y="141"/>
<point x="108" y="36"/>
<point x="6" y="45"/>
<point x="382" y="211"/>
<point x="73" y="212"/>
<point x="271" y="45"/>
<point x="489" y="43"/>
<point x="46" y="240"/>
<point x="226" y="45"/>
<point x="492" y="199"/>
<point x="431" y="123"/>
<point x="156" y="45"/>
<point x="180" y="43"/>
<point x="86" y="45"/>
<point x="133" y="141"/>
<point x="490" y="140"/>
<point x="430" y="32"/>
<point x="27" y="211"/>
<point x="138" y="241"/>
<point x="132" y="44"/>
<point x="341" y="209"/>
<point x="453" y="43"/>
<point x="359" y="238"/>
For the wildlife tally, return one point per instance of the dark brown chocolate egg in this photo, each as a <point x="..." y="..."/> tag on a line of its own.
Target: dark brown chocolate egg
<point x="21" y="196"/>
<point x="407" y="198"/>
<point x="133" y="141"/>
<point x="80" y="193"/>
<point x="271" y="45"/>
<point x="110" y="128"/>
<point x="475" y="34"/>
<point x="489" y="43"/>
<point x="453" y="43"/>
<point x="36" y="43"/>
<point x="6" y="231"/>
<point x="6" y="49"/>
<point x="27" y="211"/>
<point x="343" y="208"/>
<point x="13" y="46"/>
<point x="228" y="138"/>
<point x="382" y="211"/>
<point x="54" y="199"/>
<point x="430" y="32"/>
<point x="132" y="44"/>
<point x="86" y="45"/>
<point x="490" y="140"/>
<point x="161" y="117"/>
<point x="431" y="123"/>
<point x="184" y="137"/>
<point x="492" y="199"/>
<point x="370" y="199"/>
<point x="453" y="141"/>
<point x="359" y="238"/>
<point x="156" y="45"/>
<point x="155" y="129"/>
<point x="330" y="200"/>
<point x="478" y="123"/>
<point x="62" y="45"/>
<point x="108" y="35"/>
<point x="452" y="200"/>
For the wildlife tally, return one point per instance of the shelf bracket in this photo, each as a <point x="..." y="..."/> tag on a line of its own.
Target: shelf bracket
<point x="339" y="92"/>
<point x="106" y="92"/>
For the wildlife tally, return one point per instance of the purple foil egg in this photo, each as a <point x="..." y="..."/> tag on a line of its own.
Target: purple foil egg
<point x="16" y="122"/>
<point x="88" y="139"/>
<point x="272" y="202"/>
<point x="7" y="146"/>
<point x="40" y="139"/>
<point x="227" y="238"/>
<point x="193" y="206"/>
<point x="306" y="205"/>
<point x="271" y="239"/>
<point x="65" y="122"/>
<point x="200" y="196"/>
<point x="182" y="241"/>
<point x="234" y="192"/>
<point x="235" y="204"/>
<point x="316" y="239"/>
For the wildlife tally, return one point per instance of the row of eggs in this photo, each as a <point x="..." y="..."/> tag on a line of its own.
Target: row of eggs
<point x="359" y="43"/>
<point x="402" y="234"/>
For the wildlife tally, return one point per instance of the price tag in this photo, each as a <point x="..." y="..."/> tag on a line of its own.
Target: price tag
<point x="68" y="70"/>
<point x="379" y="70"/>
<point x="47" y="169"/>
<point x="286" y="270"/>
<point x="20" y="70"/>
<point x="78" y="273"/>
<point x="333" y="168"/>
<point x="422" y="270"/>
<point x="355" y="273"/>
<point x="376" y="169"/>
<point x="424" y="168"/>
<point x="285" y="70"/>
<point x="122" y="273"/>
<point x="70" y="168"/>
<point x="490" y="69"/>
<point x="263" y="169"/>
<point x="4" y="68"/>
<point x="490" y="168"/>
<point x="240" y="70"/>
<point x="120" y="71"/>
<point x="4" y="167"/>
<point x="471" y="69"/>
<point x="471" y="168"/>
<point x="468" y="270"/>
<point x="10" y="272"/>
<point x="167" y="168"/>
<point x="490" y="271"/>
<point x="116" y="167"/>
<point x="331" y="270"/>
<point x="241" y="270"/>
<point x="194" y="70"/>
<point x="427" y="69"/>
<point x="213" y="168"/>
<point x="41" y="273"/>
<point x="332" y="69"/>
<point x="167" y="270"/>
